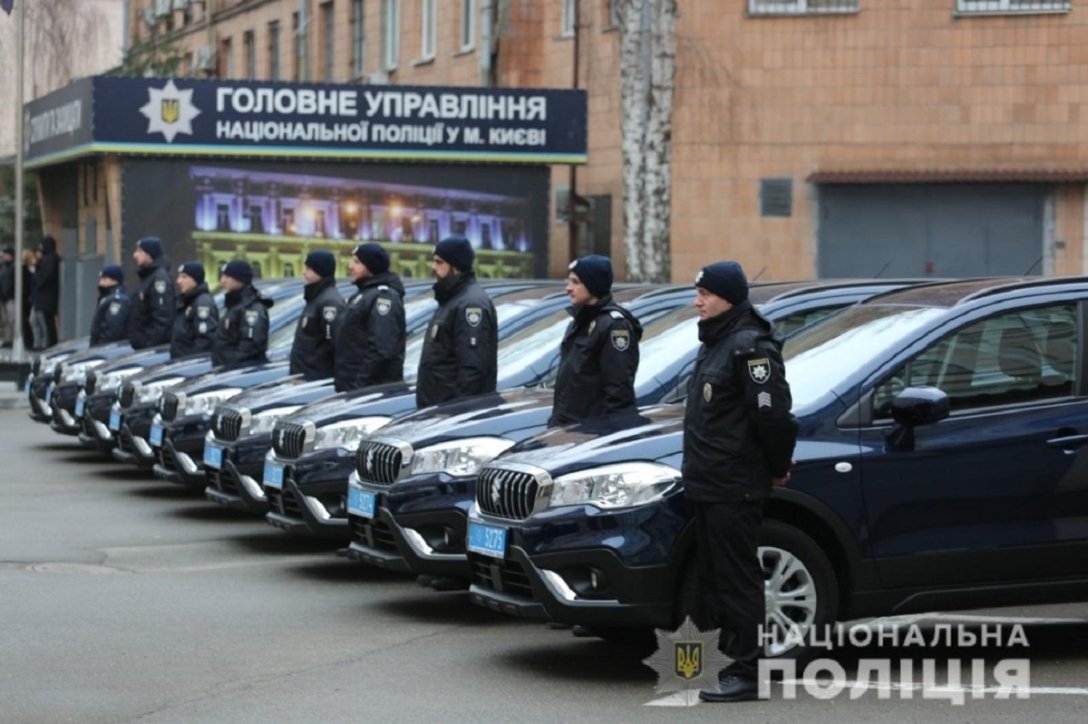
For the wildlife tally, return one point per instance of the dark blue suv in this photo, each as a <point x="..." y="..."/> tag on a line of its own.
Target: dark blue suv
<point x="940" y="464"/>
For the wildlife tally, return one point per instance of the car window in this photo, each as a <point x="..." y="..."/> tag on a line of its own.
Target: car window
<point x="1023" y="356"/>
<point x="786" y="326"/>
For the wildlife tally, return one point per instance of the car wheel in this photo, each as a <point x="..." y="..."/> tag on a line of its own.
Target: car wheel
<point x="800" y="590"/>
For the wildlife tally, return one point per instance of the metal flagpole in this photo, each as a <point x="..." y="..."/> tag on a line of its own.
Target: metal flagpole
<point x="17" y="347"/>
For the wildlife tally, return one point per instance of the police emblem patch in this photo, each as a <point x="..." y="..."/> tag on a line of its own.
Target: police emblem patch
<point x="759" y="370"/>
<point x="621" y="339"/>
<point x="251" y="317"/>
<point x="383" y="306"/>
<point x="203" y="312"/>
<point x="329" y="313"/>
<point x="708" y="391"/>
<point x="474" y="315"/>
<point x="115" y="308"/>
<point x="160" y="286"/>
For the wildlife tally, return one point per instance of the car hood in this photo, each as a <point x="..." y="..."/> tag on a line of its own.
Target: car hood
<point x="188" y="367"/>
<point x="282" y="392"/>
<point x="243" y="377"/>
<point x="392" y="398"/>
<point x="513" y="414"/>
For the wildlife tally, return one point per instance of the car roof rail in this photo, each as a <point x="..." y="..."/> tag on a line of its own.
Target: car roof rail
<point x="1013" y="283"/>
<point x="876" y="298"/>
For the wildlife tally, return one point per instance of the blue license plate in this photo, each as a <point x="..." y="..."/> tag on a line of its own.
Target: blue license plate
<point x="487" y="539"/>
<point x="361" y="502"/>
<point x="115" y="420"/>
<point x="80" y="405"/>
<point x="213" y="456"/>
<point x="49" y="394"/>
<point x="273" y="475"/>
<point x="26" y="387"/>
<point x="155" y="436"/>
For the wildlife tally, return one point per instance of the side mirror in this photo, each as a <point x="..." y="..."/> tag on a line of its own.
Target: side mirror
<point x="915" y="406"/>
<point x="920" y="406"/>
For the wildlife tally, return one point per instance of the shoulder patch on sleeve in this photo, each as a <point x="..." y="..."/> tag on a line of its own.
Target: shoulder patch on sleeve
<point x="115" y="308"/>
<point x="160" y="286"/>
<point x="621" y="339"/>
<point x="384" y="306"/>
<point x="759" y="370"/>
<point x="203" y="312"/>
<point x="329" y="313"/>
<point x="474" y="315"/>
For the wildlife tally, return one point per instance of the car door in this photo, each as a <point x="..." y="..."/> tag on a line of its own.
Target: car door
<point x="998" y="490"/>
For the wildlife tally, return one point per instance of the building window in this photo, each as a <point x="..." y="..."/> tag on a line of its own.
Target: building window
<point x="468" y="25"/>
<point x="228" y="58"/>
<point x="1013" y="6"/>
<point x="796" y="7"/>
<point x="566" y="19"/>
<point x="358" y="36"/>
<point x="274" y="50"/>
<point x="327" y="40"/>
<point x="297" y="35"/>
<point x="390" y="33"/>
<point x="248" y="47"/>
<point x="427" y="19"/>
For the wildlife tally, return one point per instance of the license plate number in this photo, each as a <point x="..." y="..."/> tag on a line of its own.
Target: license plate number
<point x="80" y="405"/>
<point x="115" y="420"/>
<point x="155" y="436"/>
<point x="360" y="502"/>
<point x="487" y="539"/>
<point x="213" y="456"/>
<point x="273" y="475"/>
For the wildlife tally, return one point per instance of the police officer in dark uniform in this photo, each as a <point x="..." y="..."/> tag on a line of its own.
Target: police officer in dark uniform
<point x="110" y="323"/>
<point x="242" y="336"/>
<point x="738" y="443"/>
<point x="313" y="352"/>
<point x="460" y="351"/>
<point x="370" y="342"/>
<point x="197" y="317"/>
<point x="152" y="319"/>
<point x="599" y="352"/>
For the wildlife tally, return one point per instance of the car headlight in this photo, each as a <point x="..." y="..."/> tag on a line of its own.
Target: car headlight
<point x="615" y="486"/>
<point x="205" y="403"/>
<point x="347" y="433"/>
<point x="111" y="381"/>
<point x="78" y="372"/>
<point x="153" y="391"/>
<point x="265" y="420"/>
<point x="459" y="457"/>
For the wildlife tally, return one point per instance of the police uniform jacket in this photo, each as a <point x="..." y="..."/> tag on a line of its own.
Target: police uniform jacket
<point x="460" y="350"/>
<point x="738" y="430"/>
<point x="242" y="336"/>
<point x="110" y="323"/>
<point x="371" y="338"/>
<point x="313" y="351"/>
<point x="599" y="358"/>
<point x="153" y="308"/>
<point x="195" y="323"/>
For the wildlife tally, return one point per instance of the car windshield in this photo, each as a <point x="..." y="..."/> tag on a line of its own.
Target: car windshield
<point x="666" y="340"/>
<point x="285" y="335"/>
<point x="820" y="358"/>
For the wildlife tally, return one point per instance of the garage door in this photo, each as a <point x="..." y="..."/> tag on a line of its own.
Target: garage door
<point x="938" y="230"/>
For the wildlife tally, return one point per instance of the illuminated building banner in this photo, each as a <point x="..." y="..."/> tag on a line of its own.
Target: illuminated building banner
<point x="190" y="117"/>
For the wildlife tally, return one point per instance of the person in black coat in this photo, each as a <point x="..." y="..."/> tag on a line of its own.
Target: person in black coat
<point x="7" y="293"/>
<point x="153" y="307"/>
<point x="30" y="263"/>
<point x="45" y="298"/>
<point x="599" y="351"/>
<point x="370" y="342"/>
<point x="111" y="316"/>
<point x="460" y="351"/>
<point x="242" y="337"/>
<point x="313" y="352"/>
<point x="197" y="316"/>
<point x="739" y="437"/>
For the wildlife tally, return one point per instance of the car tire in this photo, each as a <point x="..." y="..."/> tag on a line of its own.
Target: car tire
<point x="805" y="589"/>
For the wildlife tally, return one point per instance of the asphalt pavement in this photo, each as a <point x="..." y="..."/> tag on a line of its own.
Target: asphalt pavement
<point x="127" y="599"/>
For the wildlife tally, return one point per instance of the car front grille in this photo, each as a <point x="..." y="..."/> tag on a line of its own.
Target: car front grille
<point x="501" y="576"/>
<point x="372" y="534"/>
<point x="289" y="439"/>
<point x="284" y="502"/>
<point x="170" y="406"/>
<point x="128" y="395"/>
<point x="227" y="424"/>
<point x="382" y="462"/>
<point x="511" y="491"/>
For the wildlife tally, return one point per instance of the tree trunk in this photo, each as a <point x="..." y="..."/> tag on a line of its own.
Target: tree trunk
<point x="647" y="79"/>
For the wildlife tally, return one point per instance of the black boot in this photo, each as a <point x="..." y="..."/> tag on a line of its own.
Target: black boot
<point x="732" y="688"/>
